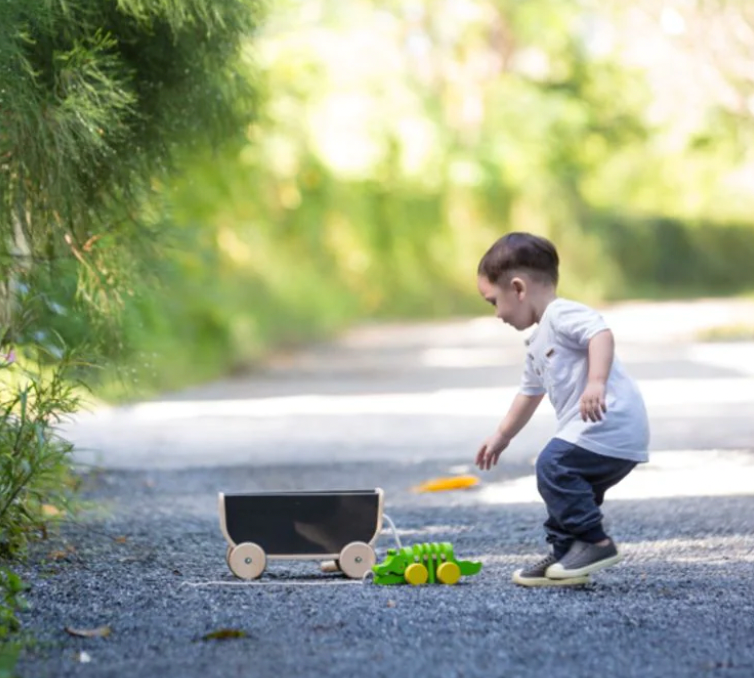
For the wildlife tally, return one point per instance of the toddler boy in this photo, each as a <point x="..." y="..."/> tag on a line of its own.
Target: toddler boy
<point x="602" y="429"/>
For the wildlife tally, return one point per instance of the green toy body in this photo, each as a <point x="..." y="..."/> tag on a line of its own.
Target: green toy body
<point x="429" y="563"/>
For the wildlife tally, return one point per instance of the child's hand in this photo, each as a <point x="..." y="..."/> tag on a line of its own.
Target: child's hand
<point x="491" y="450"/>
<point x="592" y="403"/>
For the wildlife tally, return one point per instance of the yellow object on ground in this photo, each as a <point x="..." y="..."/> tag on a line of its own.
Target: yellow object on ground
<point x="448" y="483"/>
<point x="416" y="574"/>
<point x="449" y="573"/>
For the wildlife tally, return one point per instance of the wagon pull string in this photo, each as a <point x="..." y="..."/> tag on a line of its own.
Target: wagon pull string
<point x="395" y="532"/>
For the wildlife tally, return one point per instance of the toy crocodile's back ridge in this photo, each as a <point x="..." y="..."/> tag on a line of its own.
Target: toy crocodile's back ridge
<point x="430" y="562"/>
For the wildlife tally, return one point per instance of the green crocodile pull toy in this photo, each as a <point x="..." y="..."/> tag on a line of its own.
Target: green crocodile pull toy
<point x="421" y="564"/>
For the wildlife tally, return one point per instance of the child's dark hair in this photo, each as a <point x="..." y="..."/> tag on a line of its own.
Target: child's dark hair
<point x="520" y="251"/>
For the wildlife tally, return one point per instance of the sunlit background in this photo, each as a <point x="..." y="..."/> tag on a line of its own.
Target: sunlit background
<point x="395" y="140"/>
<point x="239" y="247"/>
<point x="391" y="142"/>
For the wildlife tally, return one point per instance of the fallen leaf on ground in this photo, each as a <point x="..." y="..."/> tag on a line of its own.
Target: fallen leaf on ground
<point x="50" y="511"/>
<point x="225" y="634"/>
<point x="99" y="632"/>
<point x="121" y="540"/>
<point x="447" y="483"/>
<point x="62" y="554"/>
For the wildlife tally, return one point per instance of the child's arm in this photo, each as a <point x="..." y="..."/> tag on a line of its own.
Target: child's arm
<point x="521" y="410"/>
<point x="601" y="351"/>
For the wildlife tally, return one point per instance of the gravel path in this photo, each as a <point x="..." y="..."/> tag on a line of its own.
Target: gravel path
<point x="153" y="570"/>
<point x="391" y="407"/>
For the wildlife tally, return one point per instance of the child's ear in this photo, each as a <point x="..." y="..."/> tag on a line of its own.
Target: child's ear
<point x="519" y="287"/>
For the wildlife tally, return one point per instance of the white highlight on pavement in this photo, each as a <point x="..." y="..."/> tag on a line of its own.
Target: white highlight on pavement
<point x="469" y="357"/>
<point x="707" y="551"/>
<point x="692" y="473"/>
<point x="635" y="322"/>
<point x="483" y="402"/>
<point x="737" y="356"/>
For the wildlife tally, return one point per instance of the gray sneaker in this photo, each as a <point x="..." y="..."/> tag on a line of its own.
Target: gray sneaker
<point x="535" y="575"/>
<point x="583" y="559"/>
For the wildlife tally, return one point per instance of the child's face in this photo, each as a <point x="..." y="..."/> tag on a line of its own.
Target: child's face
<point x="510" y="301"/>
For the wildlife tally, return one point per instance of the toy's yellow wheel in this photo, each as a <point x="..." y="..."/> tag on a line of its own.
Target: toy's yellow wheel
<point x="449" y="573"/>
<point x="247" y="561"/>
<point x="416" y="574"/>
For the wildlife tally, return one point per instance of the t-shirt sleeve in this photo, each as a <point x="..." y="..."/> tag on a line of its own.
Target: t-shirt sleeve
<point x="576" y="324"/>
<point x="531" y="382"/>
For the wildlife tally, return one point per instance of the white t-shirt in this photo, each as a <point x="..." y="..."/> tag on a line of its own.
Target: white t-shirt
<point x="557" y="364"/>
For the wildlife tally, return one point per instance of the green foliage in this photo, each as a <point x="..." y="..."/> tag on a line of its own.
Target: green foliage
<point x="34" y="460"/>
<point x="11" y="601"/>
<point x="9" y="653"/>
<point x="369" y="187"/>
<point x="728" y="333"/>
<point x="97" y="100"/>
<point x="651" y="255"/>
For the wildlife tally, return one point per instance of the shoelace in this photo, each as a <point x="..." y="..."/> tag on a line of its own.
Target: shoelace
<point x="545" y="562"/>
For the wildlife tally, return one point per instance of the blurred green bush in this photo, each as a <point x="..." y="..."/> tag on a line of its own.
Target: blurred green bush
<point x="96" y="99"/>
<point x="393" y="143"/>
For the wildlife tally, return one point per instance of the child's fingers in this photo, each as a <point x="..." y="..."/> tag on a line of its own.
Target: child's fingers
<point x="592" y="410"/>
<point x="600" y="406"/>
<point x="492" y="458"/>
<point x="487" y="459"/>
<point x="488" y="456"/>
<point x="480" y="455"/>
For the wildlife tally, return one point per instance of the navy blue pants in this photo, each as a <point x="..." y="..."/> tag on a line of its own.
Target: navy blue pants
<point x="573" y="481"/>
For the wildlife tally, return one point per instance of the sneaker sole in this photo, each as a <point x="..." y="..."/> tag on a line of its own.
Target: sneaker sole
<point x="546" y="581"/>
<point x="557" y="571"/>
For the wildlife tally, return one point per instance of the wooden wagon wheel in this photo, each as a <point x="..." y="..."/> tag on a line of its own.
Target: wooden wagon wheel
<point x="247" y="561"/>
<point x="356" y="559"/>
